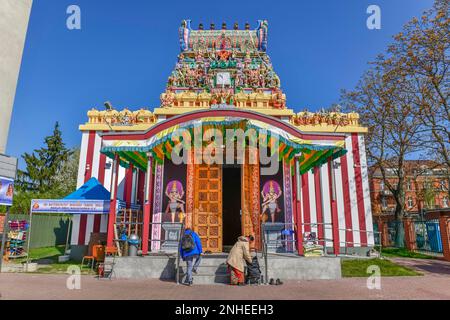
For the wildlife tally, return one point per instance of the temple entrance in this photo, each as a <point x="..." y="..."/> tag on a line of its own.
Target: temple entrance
<point x="231" y="201"/>
<point x="208" y="206"/>
<point x="226" y="204"/>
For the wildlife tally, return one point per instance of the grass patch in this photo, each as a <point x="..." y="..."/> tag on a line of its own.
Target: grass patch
<point x="50" y="253"/>
<point x="53" y="266"/>
<point x="62" y="268"/>
<point x="404" y="253"/>
<point x="358" y="268"/>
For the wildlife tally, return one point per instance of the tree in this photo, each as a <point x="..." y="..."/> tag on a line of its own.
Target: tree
<point x="66" y="178"/>
<point x="51" y="173"/>
<point x="422" y="53"/>
<point x="43" y="165"/>
<point x="404" y="100"/>
<point x="394" y="128"/>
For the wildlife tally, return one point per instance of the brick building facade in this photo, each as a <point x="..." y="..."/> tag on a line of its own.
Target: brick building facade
<point x="426" y="187"/>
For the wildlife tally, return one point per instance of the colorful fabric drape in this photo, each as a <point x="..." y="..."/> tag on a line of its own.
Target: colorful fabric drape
<point x="257" y="133"/>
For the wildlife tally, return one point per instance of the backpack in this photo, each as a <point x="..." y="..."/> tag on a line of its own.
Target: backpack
<point x="187" y="242"/>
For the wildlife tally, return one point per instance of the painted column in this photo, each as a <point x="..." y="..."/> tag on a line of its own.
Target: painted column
<point x="333" y="204"/>
<point x="319" y="206"/>
<point x="113" y="202"/>
<point x="129" y="185"/>
<point x="298" y="206"/>
<point x="147" y="204"/>
<point x="294" y="204"/>
<point x="140" y="193"/>
<point x="288" y="219"/>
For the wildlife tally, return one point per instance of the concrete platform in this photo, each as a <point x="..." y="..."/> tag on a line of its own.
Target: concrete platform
<point x="213" y="268"/>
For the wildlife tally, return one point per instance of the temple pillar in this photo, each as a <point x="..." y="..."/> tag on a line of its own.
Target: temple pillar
<point x="113" y="202"/>
<point x="319" y="206"/>
<point x="128" y="185"/>
<point x="333" y="205"/>
<point x="298" y="208"/>
<point x="147" y="204"/>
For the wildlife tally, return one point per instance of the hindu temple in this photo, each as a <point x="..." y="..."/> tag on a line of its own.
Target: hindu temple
<point x="226" y="155"/>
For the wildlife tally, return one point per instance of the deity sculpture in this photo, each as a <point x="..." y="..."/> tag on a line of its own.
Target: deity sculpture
<point x="247" y="59"/>
<point x="278" y="99"/>
<point x="167" y="98"/>
<point x="239" y="79"/>
<point x="175" y="193"/>
<point x="270" y="194"/>
<point x="224" y="55"/>
<point x="199" y="58"/>
<point x="184" y="34"/>
<point x="262" y="34"/>
<point x="275" y="80"/>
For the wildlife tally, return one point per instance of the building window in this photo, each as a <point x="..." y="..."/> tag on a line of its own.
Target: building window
<point x="384" y="202"/>
<point x="408" y="185"/>
<point x="445" y="202"/>
<point x="381" y="185"/>
<point x="443" y="185"/>
<point x="410" y="202"/>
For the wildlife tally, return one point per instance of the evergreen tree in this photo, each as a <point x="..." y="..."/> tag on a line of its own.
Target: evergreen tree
<point x="43" y="165"/>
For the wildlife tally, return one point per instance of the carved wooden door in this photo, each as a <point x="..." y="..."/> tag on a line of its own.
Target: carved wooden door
<point x="208" y="206"/>
<point x="250" y="219"/>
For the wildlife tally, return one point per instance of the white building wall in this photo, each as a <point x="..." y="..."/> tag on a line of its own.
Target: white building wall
<point x="14" y="16"/>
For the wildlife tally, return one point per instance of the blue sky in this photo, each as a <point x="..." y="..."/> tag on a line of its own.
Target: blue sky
<point x="126" y="50"/>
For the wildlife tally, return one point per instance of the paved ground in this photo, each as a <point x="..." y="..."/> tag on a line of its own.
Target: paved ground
<point x="38" y="286"/>
<point x="426" y="266"/>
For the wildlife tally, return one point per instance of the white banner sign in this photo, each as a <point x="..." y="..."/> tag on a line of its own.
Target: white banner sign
<point x="70" y="206"/>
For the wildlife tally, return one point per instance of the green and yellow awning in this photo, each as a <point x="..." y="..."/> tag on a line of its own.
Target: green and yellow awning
<point x="258" y="134"/>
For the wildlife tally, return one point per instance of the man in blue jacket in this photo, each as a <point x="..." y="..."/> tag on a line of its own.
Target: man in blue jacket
<point x="190" y="249"/>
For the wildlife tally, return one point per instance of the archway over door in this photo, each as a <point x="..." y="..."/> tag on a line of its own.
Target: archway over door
<point x="223" y="112"/>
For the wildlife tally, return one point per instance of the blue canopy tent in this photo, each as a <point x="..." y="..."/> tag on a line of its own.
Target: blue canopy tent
<point x="91" y="190"/>
<point x="91" y="198"/>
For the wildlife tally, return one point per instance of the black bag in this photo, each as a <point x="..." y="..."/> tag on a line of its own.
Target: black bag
<point x="253" y="271"/>
<point x="187" y="243"/>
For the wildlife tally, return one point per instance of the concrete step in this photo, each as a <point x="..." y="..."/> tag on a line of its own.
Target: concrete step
<point x="208" y="270"/>
<point x="283" y="267"/>
<point x="208" y="279"/>
<point x="212" y="270"/>
<point x="210" y="261"/>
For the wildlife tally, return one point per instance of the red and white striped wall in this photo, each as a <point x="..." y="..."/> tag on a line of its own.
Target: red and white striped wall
<point x="94" y="164"/>
<point x="354" y="215"/>
<point x="352" y="209"/>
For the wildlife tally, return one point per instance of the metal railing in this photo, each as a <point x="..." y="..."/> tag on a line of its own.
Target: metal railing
<point x="161" y="241"/>
<point x="264" y="252"/>
<point x="361" y="244"/>
<point x="283" y="241"/>
<point x="286" y="241"/>
<point x="178" y="254"/>
<point x="318" y="232"/>
<point x="178" y="240"/>
<point x="321" y="240"/>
